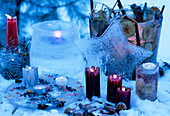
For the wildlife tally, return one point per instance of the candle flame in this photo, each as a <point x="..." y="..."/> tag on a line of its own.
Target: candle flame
<point x="149" y="66"/>
<point x="57" y="34"/>
<point x="91" y="70"/>
<point x="8" y="16"/>
<point x="29" y="68"/>
<point x="12" y="59"/>
<point x="114" y="76"/>
<point x="123" y="88"/>
<point x="39" y="88"/>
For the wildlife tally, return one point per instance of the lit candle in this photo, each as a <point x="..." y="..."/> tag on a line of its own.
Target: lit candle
<point x="148" y="65"/>
<point x="11" y="31"/>
<point x="97" y="82"/>
<point x="39" y="89"/>
<point x="61" y="81"/>
<point x="30" y="75"/>
<point x="147" y="80"/>
<point x="114" y="81"/>
<point x="92" y="82"/>
<point x="123" y="94"/>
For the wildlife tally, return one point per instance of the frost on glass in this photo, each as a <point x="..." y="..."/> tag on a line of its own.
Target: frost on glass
<point x="53" y="48"/>
<point x="112" y="51"/>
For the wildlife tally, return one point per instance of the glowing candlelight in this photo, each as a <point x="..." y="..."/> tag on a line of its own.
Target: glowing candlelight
<point x="123" y="88"/>
<point x="57" y="34"/>
<point x="92" y="82"/>
<point x="115" y="76"/>
<point x="11" y="32"/>
<point x="8" y="16"/>
<point x="91" y="70"/>
<point x="146" y="78"/>
<point x="148" y="65"/>
<point x="40" y="89"/>
<point x="123" y="94"/>
<point x="114" y="81"/>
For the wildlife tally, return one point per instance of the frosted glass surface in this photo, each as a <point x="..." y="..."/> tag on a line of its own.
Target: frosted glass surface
<point x="53" y="48"/>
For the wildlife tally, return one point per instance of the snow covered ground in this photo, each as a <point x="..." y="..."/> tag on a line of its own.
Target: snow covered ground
<point x="160" y="107"/>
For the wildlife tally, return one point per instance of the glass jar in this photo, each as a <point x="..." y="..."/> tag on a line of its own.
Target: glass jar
<point x="147" y="80"/>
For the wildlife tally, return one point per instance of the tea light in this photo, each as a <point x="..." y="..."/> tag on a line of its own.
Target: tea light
<point x="30" y="75"/>
<point x="61" y="81"/>
<point x="40" y="89"/>
<point x="147" y="80"/>
<point x="148" y="65"/>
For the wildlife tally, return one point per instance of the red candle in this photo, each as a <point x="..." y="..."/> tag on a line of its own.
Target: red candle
<point x="97" y="82"/>
<point x="114" y="81"/>
<point x="123" y="95"/>
<point x="92" y="82"/>
<point x="11" y="32"/>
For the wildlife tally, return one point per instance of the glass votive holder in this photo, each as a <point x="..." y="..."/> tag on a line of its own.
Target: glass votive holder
<point x="147" y="80"/>
<point x="54" y="42"/>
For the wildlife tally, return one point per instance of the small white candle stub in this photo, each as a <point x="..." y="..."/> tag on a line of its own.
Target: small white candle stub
<point x="40" y="89"/>
<point x="148" y="65"/>
<point x="61" y="81"/>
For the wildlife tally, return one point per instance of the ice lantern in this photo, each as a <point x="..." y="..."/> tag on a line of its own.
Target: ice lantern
<point x="53" y="48"/>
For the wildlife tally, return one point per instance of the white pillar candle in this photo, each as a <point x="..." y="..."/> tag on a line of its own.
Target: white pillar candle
<point x="61" y="81"/>
<point x="30" y="75"/>
<point x="40" y="89"/>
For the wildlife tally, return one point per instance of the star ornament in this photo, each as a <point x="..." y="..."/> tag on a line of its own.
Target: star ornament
<point x="112" y="51"/>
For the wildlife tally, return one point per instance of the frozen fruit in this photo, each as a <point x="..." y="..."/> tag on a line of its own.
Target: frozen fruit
<point x="128" y="27"/>
<point x="148" y="46"/>
<point x="148" y="32"/>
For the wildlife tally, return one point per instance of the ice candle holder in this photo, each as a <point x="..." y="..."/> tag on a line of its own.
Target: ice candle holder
<point x="55" y="43"/>
<point x="147" y="80"/>
<point x="30" y="75"/>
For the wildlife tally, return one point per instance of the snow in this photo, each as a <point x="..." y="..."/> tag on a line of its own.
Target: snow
<point x="160" y="107"/>
<point x="138" y="107"/>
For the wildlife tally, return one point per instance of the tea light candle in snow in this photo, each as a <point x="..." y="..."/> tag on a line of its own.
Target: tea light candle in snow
<point x="39" y="89"/>
<point x="61" y="81"/>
